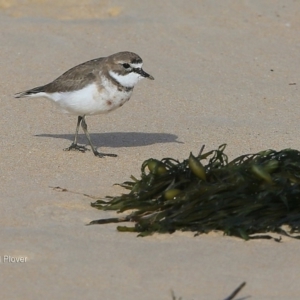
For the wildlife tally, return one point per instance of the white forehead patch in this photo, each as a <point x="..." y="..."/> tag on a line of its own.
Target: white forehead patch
<point x="136" y="66"/>
<point x="128" y="80"/>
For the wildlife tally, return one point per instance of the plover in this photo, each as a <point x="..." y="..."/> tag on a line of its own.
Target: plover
<point x="97" y="86"/>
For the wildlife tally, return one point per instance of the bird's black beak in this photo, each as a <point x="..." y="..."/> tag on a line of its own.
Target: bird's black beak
<point x="143" y="73"/>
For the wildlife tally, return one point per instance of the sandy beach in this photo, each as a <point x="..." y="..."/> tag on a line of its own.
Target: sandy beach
<point x="225" y="72"/>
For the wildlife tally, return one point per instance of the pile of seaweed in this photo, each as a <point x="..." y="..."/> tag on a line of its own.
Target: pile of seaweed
<point x="252" y="194"/>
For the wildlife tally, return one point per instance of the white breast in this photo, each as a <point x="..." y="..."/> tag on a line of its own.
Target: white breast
<point x="91" y="100"/>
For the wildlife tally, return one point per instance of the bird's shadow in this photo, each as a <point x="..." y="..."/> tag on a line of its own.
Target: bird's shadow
<point x="120" y="139"/>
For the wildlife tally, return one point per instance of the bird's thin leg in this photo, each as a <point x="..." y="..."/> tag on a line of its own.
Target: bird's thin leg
<point x="96" y="153"/>
<point x="74" y="145"/>
<point x="77" y="129"/>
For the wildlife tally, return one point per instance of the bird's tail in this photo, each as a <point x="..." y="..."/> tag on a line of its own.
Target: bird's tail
<point x="31" y="92"/>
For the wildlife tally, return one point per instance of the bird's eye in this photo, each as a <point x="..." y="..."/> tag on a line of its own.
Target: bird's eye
<point x="126" y="66"/>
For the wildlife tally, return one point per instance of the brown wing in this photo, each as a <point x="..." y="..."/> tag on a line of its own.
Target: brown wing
<point x="75" y="78"/>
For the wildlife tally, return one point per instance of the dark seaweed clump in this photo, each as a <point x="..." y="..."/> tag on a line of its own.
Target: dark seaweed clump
<point x="252" y="194"/>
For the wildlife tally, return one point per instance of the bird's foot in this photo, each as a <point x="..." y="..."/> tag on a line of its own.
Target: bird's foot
<point x="76" y="147"/>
